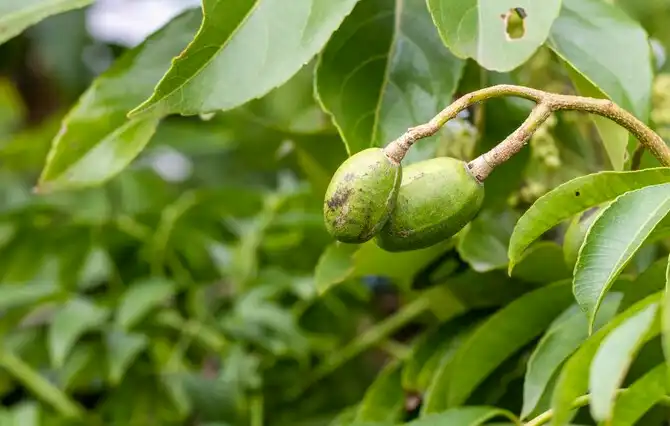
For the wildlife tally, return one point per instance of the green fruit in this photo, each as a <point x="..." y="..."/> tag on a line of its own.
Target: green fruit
<point x="437" y="198"/>
<point x="361" y="195"/>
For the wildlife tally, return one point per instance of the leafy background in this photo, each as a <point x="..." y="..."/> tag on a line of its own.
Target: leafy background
<point x="164" y="258"/>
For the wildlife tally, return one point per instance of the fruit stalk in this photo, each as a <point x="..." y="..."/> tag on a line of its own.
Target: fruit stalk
<point x="397" y="149"/>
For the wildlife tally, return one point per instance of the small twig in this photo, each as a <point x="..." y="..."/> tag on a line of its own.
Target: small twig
<point x="483" y="165"/>
<point x="637" y="157"/>
<point x="549" y="414"/>
<point x="397" y="149"/>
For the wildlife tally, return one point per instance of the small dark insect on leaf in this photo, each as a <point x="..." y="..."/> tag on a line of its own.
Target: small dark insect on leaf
<point x="521" y="12"/>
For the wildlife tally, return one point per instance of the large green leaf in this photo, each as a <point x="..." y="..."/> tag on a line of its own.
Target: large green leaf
<point x="559" y="342"/>
<point x="478" y="29"/>
<point x="244" y="49"/>
<point x="384" y="399"/>
<point x="73" y="319"/>
<point x="465" y="416"/>
<point x="122" y="349"/>
<point x="616" y="234"/>
<point x="626" y="79"/>
<point x="573" y="197"/>
<point x="96" y="140"/>
<point x="142" y="297"/>
<point x="16" y="16"/>
<point x="613" y="358"/>
<point x="631" y="405"/>
<point x="508" y="330"/>
<point x="384" y="70"/>
<point x="573" y="380"/>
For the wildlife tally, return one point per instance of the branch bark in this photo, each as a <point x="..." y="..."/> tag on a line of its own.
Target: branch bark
<point x="546" y="104"/>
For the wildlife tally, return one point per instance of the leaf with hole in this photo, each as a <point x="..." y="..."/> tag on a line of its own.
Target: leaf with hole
<point x="97" y="141"/>
<point x="16" y="16"/>
<point x="499" y="34"/>
<point x="244" y="49"/>
<point x="384" y="70"/>
<point x="611" y="242"/>
<point x="575" y="196"/>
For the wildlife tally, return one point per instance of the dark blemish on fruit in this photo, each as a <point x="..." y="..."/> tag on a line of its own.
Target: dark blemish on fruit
<point x="339" y="198"/>
<point x="577" y="193"/>
<point x="349" y="177"/>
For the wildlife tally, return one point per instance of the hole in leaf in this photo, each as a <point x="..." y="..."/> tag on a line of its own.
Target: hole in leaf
<point x="515" y="23"/>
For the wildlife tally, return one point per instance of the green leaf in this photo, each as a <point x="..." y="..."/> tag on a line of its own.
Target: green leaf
<point x="665" y="320"/>
<point x="483" y="243"/>
<point x="625" y="79"/>
<point x="639" y="397"/>
<point x="431" y="349"/>
<point x="611" y="242"/>
<point x="435" y="397"/>
<point x="244" y="49"/>
<point x="573" y="197"/>
<point x="573" y="380"/>
<point x="542" y="263"/>
<point x="465" y="416"/>
<point x="97" y="141"/>
<point x="16" y="16"/>
<point x="122" y="349"/>
<point x="79" y="359"/>
<point x="39" y="386"/>
<point x="74" y="319"/>
<point x="613" y="358"/>
<point x="340" y="262"/>
<point x="508" y="330"/>
<point x="384" y="70"/>
<point x="575" y="234"/>
<point x="141" y="298"/>
<point x="18" y="295"/>
<point x="478" y="29"/>
<point x="559" y="342"/>
<point x="335" y="265"/>
<point x="385" y="398"/>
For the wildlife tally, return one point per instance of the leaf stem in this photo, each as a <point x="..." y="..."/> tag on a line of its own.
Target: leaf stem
<point x="397" y="149"/>
<point x="581" y="401"/>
